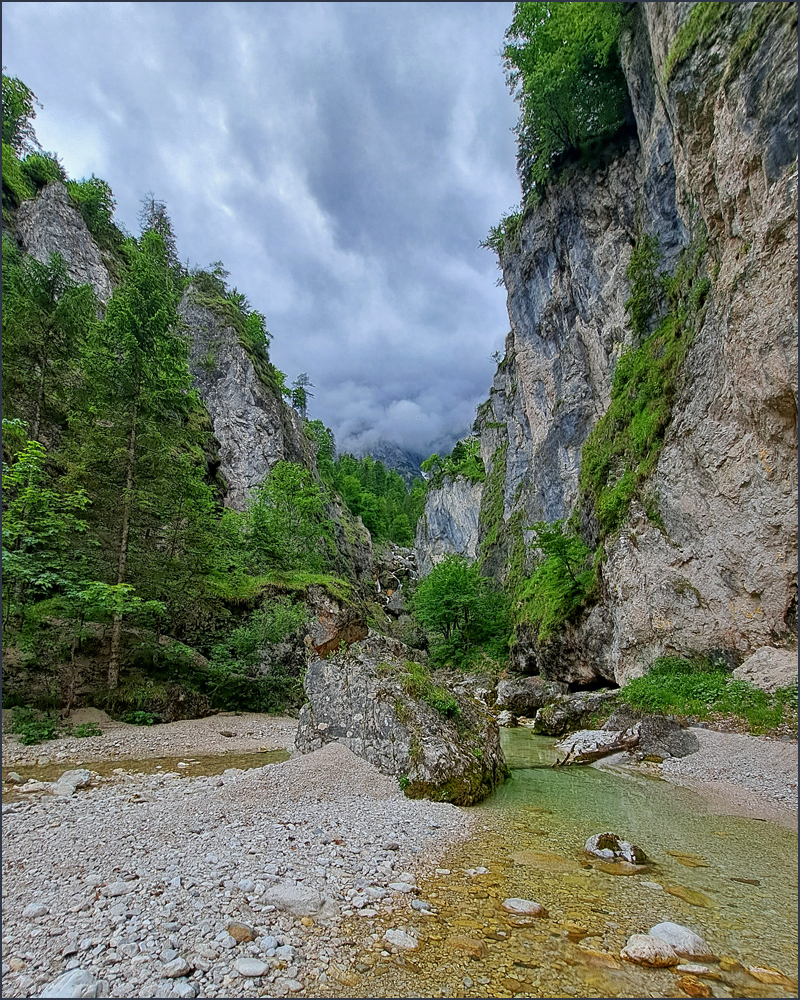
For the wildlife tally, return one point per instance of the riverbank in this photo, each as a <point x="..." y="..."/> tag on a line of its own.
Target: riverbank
<point x="139" y="878"/>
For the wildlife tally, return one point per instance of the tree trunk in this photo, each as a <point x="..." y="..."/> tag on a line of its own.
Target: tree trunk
<point x="116" y="631"/>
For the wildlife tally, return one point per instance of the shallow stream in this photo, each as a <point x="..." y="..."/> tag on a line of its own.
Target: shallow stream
<point x="732" y="880"/>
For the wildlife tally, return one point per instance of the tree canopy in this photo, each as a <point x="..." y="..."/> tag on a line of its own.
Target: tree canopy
<point x="562" y="66"/>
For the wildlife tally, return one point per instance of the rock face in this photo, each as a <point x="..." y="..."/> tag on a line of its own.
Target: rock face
<point x="254" y="427"/>
<point x="370" y="699"/>
<point x="769" y="668"/>
<point x="709" y="565"/>
<point x="571" y="711"/>
<point x="449" y="523"/>
<point x="526" y="695"/>
<point x="52" y="224"/>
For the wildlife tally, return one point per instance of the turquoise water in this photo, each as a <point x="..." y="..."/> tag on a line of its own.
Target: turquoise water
<point x="530" y="837"/>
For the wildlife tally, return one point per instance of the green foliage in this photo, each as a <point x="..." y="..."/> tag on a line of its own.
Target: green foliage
<point x="464" y="613"/>
<point x="33" y="727"/>
<point x="379" y="496"/>
<point x="464" y="460"/>
<point x="697" y="29"/>
<point x="16" y="184"/>
<point x="87" y="729"/>
<point x="560" y="584"/>
<point x="418" y="683"/>
<point x="702" y="687"/>
<point x="40" y="526"/>
<point x="138" y="718"/>
<point x="18" y="115"/>
<point x="642" y="274"/>
<point x="623" y="448"/>
<point x="403" y="781"/>
<point x="505" y="235"/>
<point x="288" y="525"/>
<point x="42" y="169"/>
<point x="562" y="65"/>
<point x="746" y="43"/>
<point x="96" y="203"/>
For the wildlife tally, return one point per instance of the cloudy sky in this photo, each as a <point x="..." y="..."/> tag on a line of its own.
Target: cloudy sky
<point x="342" y="159"/>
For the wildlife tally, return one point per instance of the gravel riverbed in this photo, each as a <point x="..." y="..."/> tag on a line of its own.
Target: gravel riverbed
<point x="229" y="885"/>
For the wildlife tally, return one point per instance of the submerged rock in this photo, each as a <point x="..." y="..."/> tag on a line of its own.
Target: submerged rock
<point x="524" y="907"/>
<point x="684" y="941"/>
<point x="646" y="950"/>
<point x="395" y="713"/>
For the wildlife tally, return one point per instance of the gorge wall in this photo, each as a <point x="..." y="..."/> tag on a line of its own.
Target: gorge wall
<point x="705" y="559"/>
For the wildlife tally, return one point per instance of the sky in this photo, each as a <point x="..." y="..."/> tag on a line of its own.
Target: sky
<point x="343" y="160"/>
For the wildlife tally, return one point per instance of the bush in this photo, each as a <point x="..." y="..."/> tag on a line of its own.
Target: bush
<point x="16" y="186"/>
<point x="138" y="718"/>
<point x="701" y="687"/>
<point x="560" y="584"/>
<point x="87" y="729"/>
<point x="42" y="169"/>
<point x="34" y="727"/>
<point x="96" y="203"/>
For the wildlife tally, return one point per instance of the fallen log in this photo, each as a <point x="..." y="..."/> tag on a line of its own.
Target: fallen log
<point x="627" y="742"/>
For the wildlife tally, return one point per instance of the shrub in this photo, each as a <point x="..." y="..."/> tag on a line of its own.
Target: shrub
<point x="417" y="682"/>
<point x="34" y="727"/>
<point x="464" y="612"/>
<point x="42" y="169"/>
<point x="138" y="718"/>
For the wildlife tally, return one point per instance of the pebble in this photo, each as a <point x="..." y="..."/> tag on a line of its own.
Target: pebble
<point x="177" y="967"/>
<point x="33" y="910"/>
<point x="397" y="938"/>
<point x="646" y="950"/>
<point x="524" y="907"/>
<point x="250" y="967"/>
<point x="683" y="941"/>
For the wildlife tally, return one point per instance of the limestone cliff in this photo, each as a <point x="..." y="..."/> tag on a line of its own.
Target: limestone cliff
<point x="449" y="523"/>
<point x="708" y="562"/>
<point x="253" y="425"/>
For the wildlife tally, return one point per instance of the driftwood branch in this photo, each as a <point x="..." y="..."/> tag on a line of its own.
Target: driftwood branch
<point x="588" y="756"/>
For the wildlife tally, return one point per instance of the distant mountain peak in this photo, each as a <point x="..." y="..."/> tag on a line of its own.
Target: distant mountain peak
<point x="404" y="462"/>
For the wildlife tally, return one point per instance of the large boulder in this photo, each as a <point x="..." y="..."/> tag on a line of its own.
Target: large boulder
<point x="572" y="711"/>
<point x="769" y="668"/>
<point x="526" y="695"/>
<point x="659" y="735"/>
<point x="392" y="711"/>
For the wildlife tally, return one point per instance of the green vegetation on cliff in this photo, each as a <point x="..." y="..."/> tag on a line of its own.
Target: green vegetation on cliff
<point x="464" y="460"/>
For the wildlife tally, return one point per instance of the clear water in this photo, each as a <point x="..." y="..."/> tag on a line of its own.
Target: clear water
<point x="533" y="831"/>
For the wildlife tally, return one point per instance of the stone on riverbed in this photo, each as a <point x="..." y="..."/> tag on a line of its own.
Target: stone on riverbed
<point x="609" y="847"/>
<point x="298" y="900"/>
<point x="77" y="983"/>
<point x="395" y="937"/>
<point x="70" y="781"/>
<point x="385" y="706"/>
<point x="524" y="907"/>
<point x="682" y="940"/>
<point x="643" y="949"/>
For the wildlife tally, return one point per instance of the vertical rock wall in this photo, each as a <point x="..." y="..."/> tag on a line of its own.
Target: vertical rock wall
<point x="716" y="147"/>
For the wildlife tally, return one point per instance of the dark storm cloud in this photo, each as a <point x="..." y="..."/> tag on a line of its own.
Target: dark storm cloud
<point x="343" y="160"/>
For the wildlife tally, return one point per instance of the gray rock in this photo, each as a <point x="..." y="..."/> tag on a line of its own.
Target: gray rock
<point x="76" y="983"/>
<point x="769" y="668"/>
<point x="610" y="847"/>
<point x="523" y="907"/>
<point x="643" y="949"/>
<point x="506" y="719"/>
<point x="449" y="523"/>
<point x="571" y="712"/>
<point x="70" y="781"/>
<point x="33" y="910"/>
<point x="298" y="900"/>
<point x="526" y="695"/>
<point x="176" y="968"/>
<point x="682" y="940"/>
<point x="659" y="735"/>
<point x="51" y="224"/>
<point x="250" y="967"/>
<point x="359" y="698"/>
<point x="118" y="888"/>
<point x="182" y="988"/>
<point x="12" y="778"/>
<point x="395" y="937"/>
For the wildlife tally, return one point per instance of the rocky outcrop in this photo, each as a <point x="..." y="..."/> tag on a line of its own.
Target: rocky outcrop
<point x="449" y="524"/>
<point x="705" y="559"/>
<point x="52" y="224"/>
<point x="389" y="710"/>
<point x="526" y="695"/>
<point x="571" y="711"/>
<point x="769" y="668"/>
<point x="254" y="427"/>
